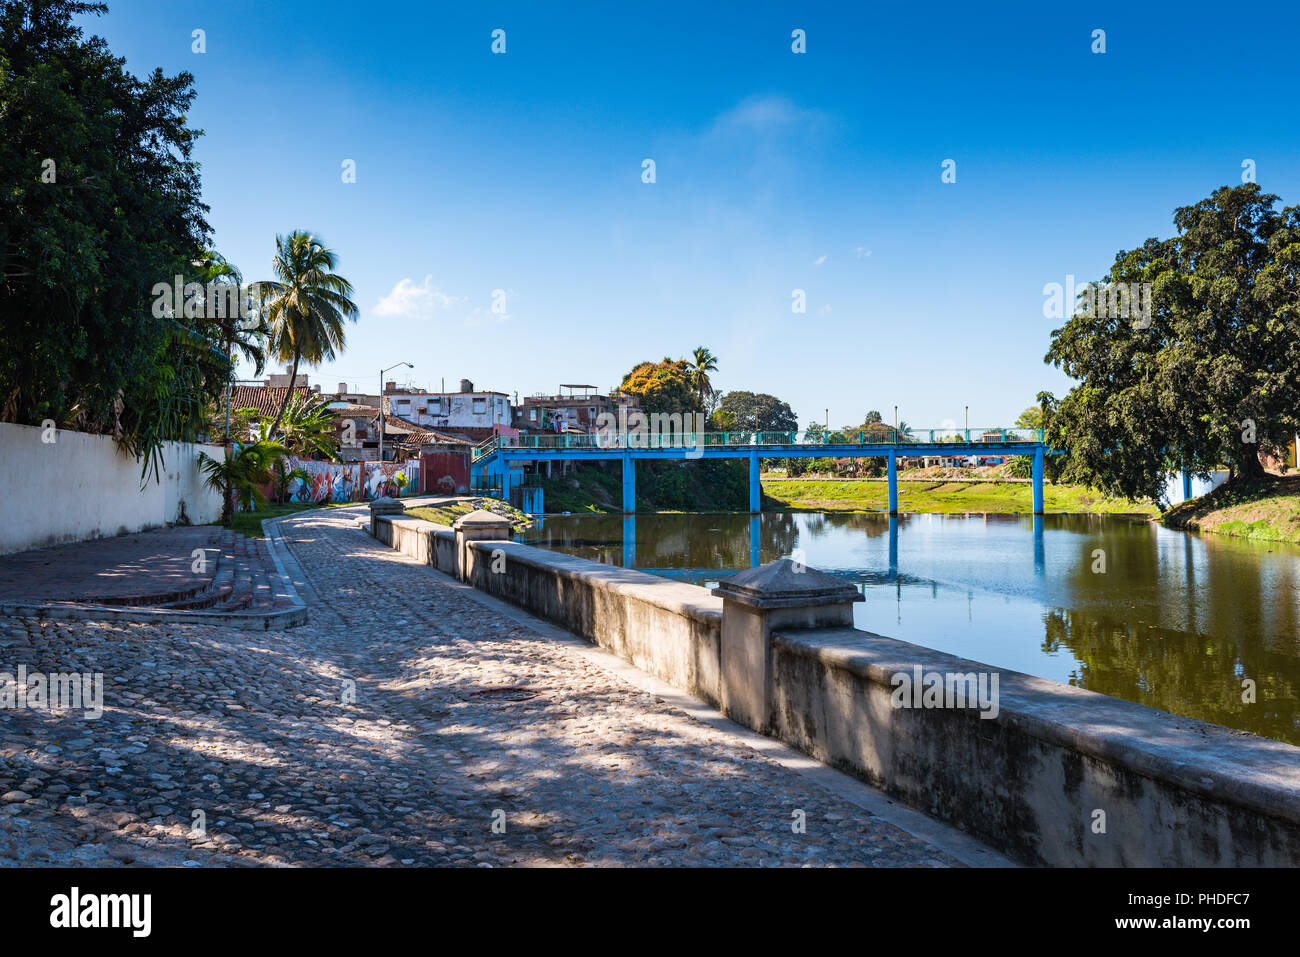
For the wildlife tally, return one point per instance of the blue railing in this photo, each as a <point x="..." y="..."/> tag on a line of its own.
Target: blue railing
<point x="816" y="437"/>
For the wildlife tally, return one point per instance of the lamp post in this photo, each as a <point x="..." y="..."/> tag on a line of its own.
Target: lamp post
<point x="381" y="406"/>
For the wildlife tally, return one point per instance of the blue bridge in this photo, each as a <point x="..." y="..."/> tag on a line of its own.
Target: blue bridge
<point x="499" y="462"/>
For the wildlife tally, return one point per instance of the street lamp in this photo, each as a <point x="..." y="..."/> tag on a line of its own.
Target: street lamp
<point x="381" y="405"/>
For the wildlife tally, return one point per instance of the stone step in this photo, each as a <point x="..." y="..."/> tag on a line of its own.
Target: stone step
<point x="222" y="580"/>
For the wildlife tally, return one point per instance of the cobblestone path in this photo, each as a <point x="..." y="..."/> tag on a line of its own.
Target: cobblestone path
<point x="373" y="736"/>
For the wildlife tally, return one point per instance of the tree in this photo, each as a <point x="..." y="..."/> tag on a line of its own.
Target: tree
<point x="99" y="205"/>
<point x="1208" y="374"/>
<point x="665" y="387"/>
<point x="1037" y="416"/>
<point x="873" y="417"/>
<point x="247" y="336"/>
<point x="307" y="427"/>
<point x="305" y="305"/>
<point x="703" y="362"/>
<point x="759" y="412"/>
<point x="240" y="475"/>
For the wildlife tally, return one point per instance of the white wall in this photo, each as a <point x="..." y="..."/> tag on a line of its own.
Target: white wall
<point x="1174" y="486"/>
<point x="82" y="486"/>
<point x="452" y="409"/>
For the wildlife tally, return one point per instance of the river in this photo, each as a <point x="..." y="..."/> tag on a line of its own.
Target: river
<point x="1118" y="605"/>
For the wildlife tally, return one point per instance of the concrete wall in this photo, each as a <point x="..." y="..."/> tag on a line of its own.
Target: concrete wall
<point x="82" y="486"/>
<point x="1174" y="792"/>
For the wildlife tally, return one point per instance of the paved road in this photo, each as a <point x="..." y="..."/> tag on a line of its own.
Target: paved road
<point x="374" y="735"/>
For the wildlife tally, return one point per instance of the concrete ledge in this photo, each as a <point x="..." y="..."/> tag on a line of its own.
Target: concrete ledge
<point x="1175" y="792"/>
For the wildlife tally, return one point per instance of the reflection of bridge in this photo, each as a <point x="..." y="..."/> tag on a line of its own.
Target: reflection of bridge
<point x="756" y="556"/>
<point x="494" y="460"/>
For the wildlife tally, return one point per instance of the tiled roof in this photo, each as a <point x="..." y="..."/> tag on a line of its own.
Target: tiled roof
<point x="414" y="434"/>
<point x="265" y="399"/>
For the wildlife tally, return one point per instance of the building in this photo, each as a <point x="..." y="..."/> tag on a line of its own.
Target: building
<point x="469" y="413"/>
<point x="576" y="411"/>
<point x="405" y="440"/>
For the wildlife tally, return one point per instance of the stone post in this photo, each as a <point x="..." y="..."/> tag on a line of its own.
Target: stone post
<point x="384" y="506"/>
<point x="481" y="525"/>
<point x="779" y="596"/>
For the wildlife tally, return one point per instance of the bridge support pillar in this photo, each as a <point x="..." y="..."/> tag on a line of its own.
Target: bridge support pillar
<point x="1187" y="485"/>
<point x="505" y="481"/>
<point x="629" y="485"/>
<point x="1038" y="481"/>
<point x="755" y="486"/>
<point x="893" y="483"/>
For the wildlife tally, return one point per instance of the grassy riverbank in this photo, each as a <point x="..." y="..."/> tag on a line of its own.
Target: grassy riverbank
<point x="953" y="496"/>
<point x="447" y="514"/>
<point x="1267" y="511"/>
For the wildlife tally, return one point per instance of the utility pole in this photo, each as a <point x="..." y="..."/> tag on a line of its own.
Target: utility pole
<point x="381" y="405"/>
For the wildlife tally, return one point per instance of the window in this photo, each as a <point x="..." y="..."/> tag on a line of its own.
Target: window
<point x="532" y="414"/>
<point x="480" y="406"/>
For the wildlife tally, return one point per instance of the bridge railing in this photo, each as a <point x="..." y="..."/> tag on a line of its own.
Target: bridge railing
<point x="815" y="437"/>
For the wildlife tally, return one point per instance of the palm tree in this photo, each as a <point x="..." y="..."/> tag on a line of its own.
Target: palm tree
<point x="307" y="427"/>
<point x="305" y="305"/>
<point x="241" y="475"/>
<point x="702" y="364"/>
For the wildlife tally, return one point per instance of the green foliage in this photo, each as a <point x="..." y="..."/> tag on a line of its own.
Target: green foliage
<point x="307" y="427"/>
<point x="1219" y="360"/>
<point x="758" y="412"/>
<point x="240" y="474"/>
<point x="702" y="485"/>
<point x="702" y="363"/>
<point x="283" y="477"/>
<point x="99" y="203"/>
<point x="667" y="387"/>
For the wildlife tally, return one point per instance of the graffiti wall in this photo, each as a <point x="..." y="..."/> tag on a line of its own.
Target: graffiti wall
<point x="351" y="482"/>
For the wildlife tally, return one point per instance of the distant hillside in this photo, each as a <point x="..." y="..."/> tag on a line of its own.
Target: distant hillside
<point x="713" y="485"/>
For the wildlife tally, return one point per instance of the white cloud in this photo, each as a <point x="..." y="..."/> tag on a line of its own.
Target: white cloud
<point x="862" y="251"/>
<point x="764" y="114"/>
<point x="409" y="301"/>
<point x="826" y="310"/>
<point x="819" y="260"/>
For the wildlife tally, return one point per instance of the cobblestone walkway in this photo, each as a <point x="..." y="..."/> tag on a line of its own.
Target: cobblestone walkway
<point x="425" y="765"/>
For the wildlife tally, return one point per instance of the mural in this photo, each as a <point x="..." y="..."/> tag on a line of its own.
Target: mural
<point x="351" y="482"/>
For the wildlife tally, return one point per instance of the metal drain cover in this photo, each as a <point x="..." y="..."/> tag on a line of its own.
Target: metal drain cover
<point x="505" y="694"/>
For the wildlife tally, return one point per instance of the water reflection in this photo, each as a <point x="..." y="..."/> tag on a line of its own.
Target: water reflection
<point x="1167" y="619"/>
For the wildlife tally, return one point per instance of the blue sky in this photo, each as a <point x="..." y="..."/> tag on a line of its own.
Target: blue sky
<point x="775" y="171"/>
